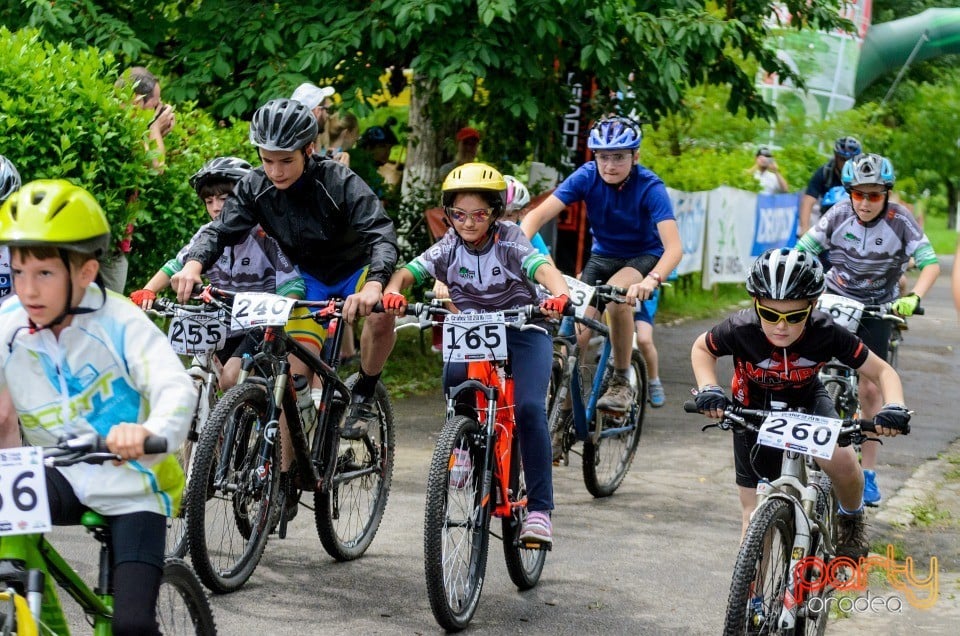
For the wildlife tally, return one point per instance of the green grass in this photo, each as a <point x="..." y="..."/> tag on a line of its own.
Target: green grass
<point x="413" y="368"/>
<point x="686" y="299"/>
<point x="927" y="513"/>
<point x="944" y="240"/>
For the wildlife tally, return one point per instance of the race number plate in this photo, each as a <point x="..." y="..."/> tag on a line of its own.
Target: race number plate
<point x="260" y="310"/>
<point x="191" y="333"/>
<point x="812" y="435"/>
<point x="580" y="294"/>
<point x="845" y="312"/>
<point x="23" y="492"/>
<point x="473" y="337"/>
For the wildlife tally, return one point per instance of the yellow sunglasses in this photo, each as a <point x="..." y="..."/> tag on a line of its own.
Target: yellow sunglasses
<point x="773" y="316"/>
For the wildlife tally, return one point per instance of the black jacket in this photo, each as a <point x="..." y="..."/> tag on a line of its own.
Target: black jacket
<point x="329" y="223"/>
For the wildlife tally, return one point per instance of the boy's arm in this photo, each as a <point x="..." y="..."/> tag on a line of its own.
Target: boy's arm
<point x="883" y="375"/>
<point x="537" y="217"/>
<point x="704" y="363"/>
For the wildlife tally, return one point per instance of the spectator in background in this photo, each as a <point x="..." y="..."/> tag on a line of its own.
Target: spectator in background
<point x="318" y="100"/>
<point x="378" y="141"/>
<point x="468" y="140"/>
<point x="146" y="90"/>
<point x="825" y="185"/>
<point x="9" y="422"/>
<point x="767" y="174"/>
<point x="343" y="131"/>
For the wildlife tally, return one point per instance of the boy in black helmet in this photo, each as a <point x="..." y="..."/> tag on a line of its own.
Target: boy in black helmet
<point x="778" y="347"/>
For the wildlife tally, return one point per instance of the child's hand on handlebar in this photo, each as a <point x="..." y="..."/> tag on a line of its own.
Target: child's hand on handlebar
<point x="394" y="303"/>
<point x="711" y="401"/>
<point x="126" y="440"/>
<point x="642" y="290"/>
<point x="555" y="306"/>
<point x="906" y="305"/>
<point x="143" y="298"/>
<point x="892" y="420"/>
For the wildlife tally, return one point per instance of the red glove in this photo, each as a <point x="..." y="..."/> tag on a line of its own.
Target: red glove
<point x="394" y="301"/>
<point x="141" y="295"/>
<point x="555" y="303"/>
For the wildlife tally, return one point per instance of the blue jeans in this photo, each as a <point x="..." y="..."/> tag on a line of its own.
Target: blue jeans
<point x="531" y="358"/>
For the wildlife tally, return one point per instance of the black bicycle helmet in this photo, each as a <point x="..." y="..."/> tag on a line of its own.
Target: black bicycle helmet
<point x="786" y="274"/>
<point x="220" y="169"/>
<point x="9" y="178"/>
<point x="847" y="147"/>
<point x="283" y="124"/>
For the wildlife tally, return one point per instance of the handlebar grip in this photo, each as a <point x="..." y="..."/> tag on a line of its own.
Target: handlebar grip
<point x="163" y="304"/>
<point x="154" y="445"/>
<point x="690" y="406"/>
<point x="919" y="311"/>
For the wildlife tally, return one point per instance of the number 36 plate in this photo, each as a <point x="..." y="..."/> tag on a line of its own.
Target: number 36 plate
<point x="812" y="435"/>
<point x="24" y="508"/>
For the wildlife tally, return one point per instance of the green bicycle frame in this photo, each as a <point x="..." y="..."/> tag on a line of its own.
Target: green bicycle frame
<point x="38" y="554"/>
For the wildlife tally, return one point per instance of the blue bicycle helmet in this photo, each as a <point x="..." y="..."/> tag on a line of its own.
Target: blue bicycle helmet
<point x="868" y="169"/>
<point x="614" y="133"/>
<point x="832" y="197"/>
<point x="847" y="147"/>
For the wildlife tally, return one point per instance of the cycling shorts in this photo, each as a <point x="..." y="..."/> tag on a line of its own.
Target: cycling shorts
<point x="308" y="331"/>
<point x="875" y="333"/>
<point x="240" y="344"/>
<point x="602" y="268"/>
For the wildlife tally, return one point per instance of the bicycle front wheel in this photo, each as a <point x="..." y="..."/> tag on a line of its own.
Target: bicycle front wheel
<point x="182" y="605"/>
<point x="607" y="460"/>
<point x="456" y="525"/>
<point x="348" y="513"/>
<point x="232" y="491"/>
<point x="762" y="572"/>
<point x="524" y="565"/>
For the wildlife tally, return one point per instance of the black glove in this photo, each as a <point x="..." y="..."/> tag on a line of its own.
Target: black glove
<point x="711" y="398"/>
<point x="893" y="416"/>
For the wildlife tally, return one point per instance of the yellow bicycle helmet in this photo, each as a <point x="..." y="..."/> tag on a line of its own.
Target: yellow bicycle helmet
<point x="475" y="177"/>
<point x="55" y="213"/>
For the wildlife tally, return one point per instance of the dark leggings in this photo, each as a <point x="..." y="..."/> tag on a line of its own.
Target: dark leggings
<point x="531" y="357"/>
<point x="138" y="542"/>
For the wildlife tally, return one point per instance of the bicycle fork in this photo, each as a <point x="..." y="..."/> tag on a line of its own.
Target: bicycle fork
<point x="796" y="589"/>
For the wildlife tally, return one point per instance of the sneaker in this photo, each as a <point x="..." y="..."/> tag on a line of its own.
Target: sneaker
<point x="462" y="467"/>
<point x="852" y="536"/>
<point x="361" y="414"/>
<point x="871" y="492"/>
<point x="537" y="528"/>
<point x="619" y="395"/>
<point x="657" y="396"/>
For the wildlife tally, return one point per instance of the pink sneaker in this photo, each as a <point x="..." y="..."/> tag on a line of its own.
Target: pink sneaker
<point x="537" y="528"/>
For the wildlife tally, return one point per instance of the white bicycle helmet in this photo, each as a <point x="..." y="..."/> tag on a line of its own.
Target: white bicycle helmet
<point x="518" y="197"/>
<point x="869" y="169"/>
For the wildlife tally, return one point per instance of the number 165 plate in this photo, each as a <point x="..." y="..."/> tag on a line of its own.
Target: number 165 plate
<point x="474" y="337"/>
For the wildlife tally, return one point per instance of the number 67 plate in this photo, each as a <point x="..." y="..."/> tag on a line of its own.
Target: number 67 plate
<point x="24" y="508"/>
<point x="804" y="433"/>
<point x="474" y="337"/>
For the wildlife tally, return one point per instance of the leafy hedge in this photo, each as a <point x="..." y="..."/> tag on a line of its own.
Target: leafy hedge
<point x="61" y="117"/>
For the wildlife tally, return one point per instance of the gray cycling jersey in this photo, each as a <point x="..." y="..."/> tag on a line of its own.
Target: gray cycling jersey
<point x="499" y="276"/>
<point x="868" y="260"/>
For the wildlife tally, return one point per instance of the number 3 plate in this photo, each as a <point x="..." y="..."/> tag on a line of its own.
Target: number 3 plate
<point x="24" y="508"/>
<point x="473" y="337"/>
<point x="812" y="435"/>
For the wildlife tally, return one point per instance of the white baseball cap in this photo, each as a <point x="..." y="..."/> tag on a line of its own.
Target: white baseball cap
<point x="311" y="95"/>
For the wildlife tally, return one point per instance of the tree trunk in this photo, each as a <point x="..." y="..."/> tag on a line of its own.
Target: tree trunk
<point x="423" y="147"/>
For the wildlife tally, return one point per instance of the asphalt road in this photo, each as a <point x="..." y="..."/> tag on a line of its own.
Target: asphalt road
<point x="655" y="558"/>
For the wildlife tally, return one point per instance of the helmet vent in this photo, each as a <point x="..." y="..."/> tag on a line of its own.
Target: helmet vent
<point x="59" y="209"/>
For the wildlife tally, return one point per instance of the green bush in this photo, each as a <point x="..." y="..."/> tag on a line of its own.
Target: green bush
<point x="61" y="117"/>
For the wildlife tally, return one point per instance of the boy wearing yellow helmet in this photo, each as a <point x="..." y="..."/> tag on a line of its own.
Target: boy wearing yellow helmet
<point x="488" y="266"/>
<point x="69" y="342"/>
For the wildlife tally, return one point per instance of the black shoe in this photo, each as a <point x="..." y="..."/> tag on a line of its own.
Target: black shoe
<point x="361" y="415"/>
<point x="852" y="536"/>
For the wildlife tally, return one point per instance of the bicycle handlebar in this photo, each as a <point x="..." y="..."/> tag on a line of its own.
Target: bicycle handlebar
<point x="744" y="419"/>
<point x="90" y="448"/>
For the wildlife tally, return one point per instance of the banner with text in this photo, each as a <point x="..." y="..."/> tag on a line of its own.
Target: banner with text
<point x="731" y="215"/>
<point x="690" y="209"/>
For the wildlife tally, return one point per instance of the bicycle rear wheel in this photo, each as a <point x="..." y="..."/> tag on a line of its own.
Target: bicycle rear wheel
<point x="456" y="524"/>
<point x="606" y="461"/>
<point x="182" y="605"/>
<point x="762" y="571"/>
<point x="348" y="513"/>
<point x="523" y="564"/>
<point x="232" y="492"/>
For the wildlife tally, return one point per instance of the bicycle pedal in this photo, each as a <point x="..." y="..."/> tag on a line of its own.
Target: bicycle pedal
<point x="536" y="545"/>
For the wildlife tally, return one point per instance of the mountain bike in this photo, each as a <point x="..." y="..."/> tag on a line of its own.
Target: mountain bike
<point x="236" y="497"/>
<point x="609" y="439"/>
<point x="196" y="331"/>
<point x="476" y="472"/>
<point x="841" y="381"/>
<point x="29" y="564"/>
<point x="782" y="565"/>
